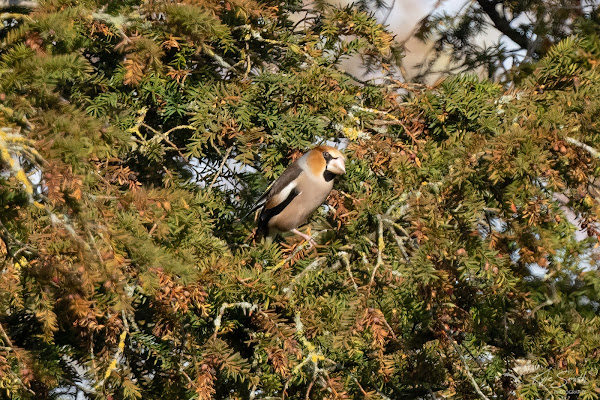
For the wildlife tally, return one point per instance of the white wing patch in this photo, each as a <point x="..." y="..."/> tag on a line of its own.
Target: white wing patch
<point x="282" y="195"/>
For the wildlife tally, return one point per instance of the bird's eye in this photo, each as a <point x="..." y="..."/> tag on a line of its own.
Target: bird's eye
<point x="327" y="156"/>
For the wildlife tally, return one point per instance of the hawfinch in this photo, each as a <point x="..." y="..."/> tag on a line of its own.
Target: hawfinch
<point x="299" y="191"/>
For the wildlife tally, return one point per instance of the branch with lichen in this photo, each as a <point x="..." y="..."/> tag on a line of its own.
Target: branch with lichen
<point x="595" y="153"/>
<point x="380" y="249"/>
<point x="164" y="136"/>
<point x="314" y="355"/>
<point x="311" y="359"/>
<point x="391" y="225"/>
<point x="392" y="119"/>
<point x="206" y="49"/>
<point x="289" y="289"/>
<point x="244" y="305"/>
<point x="115" y="359"/>
<point x="344" y="257"/>
<point x="353" y="131"/>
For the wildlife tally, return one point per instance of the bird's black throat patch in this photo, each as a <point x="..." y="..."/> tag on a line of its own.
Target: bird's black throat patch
<point x="328" y="175"/>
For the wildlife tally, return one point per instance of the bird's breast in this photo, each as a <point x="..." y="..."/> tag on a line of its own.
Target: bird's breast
<point x="312" y="193"/>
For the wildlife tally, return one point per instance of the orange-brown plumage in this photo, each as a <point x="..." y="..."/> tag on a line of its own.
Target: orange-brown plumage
<point x="315" y="161"/>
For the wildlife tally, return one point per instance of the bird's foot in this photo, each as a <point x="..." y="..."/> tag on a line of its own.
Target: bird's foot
<point x="306" y="237"/>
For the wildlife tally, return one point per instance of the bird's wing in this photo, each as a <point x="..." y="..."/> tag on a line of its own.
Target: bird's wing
<point x="280" y="189"/>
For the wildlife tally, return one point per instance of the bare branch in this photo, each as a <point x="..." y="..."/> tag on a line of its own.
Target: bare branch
<point x="503" y="25"/>
<point x="223" y="161"/>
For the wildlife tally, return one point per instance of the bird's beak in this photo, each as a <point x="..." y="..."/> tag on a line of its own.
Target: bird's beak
<point x="337" y="166"/>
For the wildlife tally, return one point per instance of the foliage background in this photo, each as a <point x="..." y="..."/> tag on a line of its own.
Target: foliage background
<point x="135" y="135"/>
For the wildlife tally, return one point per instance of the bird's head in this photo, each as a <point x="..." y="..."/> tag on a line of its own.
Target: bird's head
<point x="327" y="161"/>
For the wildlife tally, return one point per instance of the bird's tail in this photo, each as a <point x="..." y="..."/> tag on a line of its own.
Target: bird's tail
<point x="262" y="231"/>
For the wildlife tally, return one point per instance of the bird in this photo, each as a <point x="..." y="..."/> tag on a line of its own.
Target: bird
<point x="298" y="192"/>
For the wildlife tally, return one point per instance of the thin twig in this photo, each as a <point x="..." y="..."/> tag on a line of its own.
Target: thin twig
<point x="93" y="357"/>
<point x="383" y="396"/>
<point x="359" y="386"/>
<point x="314" y="356"/>
<point x="467" y="371"/>
<point x="207" y="50"/>
<point x="8" y="237"/>
<point x="380" y="248"/>
<point x="249" y="64"/>
<point x="399" y="243"/>
<point x="310" y="385"/>
<point x="388" y="326"/>
<point x="361" y="81"/>
<point x="178" y="127"/>
<point x="548" y="302"/>
<point x="220" y="169"/>
<point x="386" y="122"/>
<point x="165" y="136"/>
<point x="344" y="256"/>
<point x="5" y="336"/>
<point x="294" y="253"/>
<point x="289" y="290"/>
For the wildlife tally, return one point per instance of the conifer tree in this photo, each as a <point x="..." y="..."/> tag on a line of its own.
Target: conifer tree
<point x="496" y="35"/>
<point x="456" y="257"/>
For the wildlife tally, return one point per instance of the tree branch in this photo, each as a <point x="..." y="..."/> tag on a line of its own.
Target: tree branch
<point x="344" y="256"/>
<point x="503" y="25"/>
<point x="223" y="161"/>
<point x="289" y="290"/>
<point x="584" y="146"/>
<point x="467" y="371"/>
